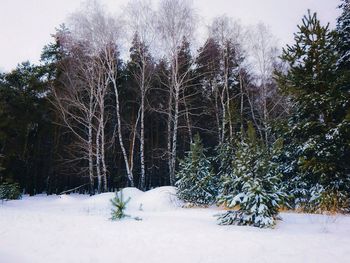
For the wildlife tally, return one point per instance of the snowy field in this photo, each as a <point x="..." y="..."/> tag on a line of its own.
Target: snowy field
<point x="75" y="228"/>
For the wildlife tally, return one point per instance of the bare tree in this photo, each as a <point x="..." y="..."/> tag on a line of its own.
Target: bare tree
<point x="103" y="31"/>
<point x="229" y="35"/>
<point x="263" y="52"/>
<point x="141" y="21"/>
<point x="176" y="21"/>
<point x="98" y="32"/>
<point x="75" y="101"/>
<point x="95" y="34"/>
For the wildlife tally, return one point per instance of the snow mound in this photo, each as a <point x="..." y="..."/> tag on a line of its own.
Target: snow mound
<point x="158" y="199"/>
<point x="65" y="199"/>
<point x="131" y="192"/>
<point x="100" y="199"/>
<point x="104" y="198"/>
<point x="101" y="203"/>
<point x="155" y="200"/>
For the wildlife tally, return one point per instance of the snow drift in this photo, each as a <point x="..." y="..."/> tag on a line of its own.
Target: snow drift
<point x="76" y="228"/>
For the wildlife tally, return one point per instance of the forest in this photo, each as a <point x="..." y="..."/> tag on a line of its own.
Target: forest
<point x="144" y="100"/>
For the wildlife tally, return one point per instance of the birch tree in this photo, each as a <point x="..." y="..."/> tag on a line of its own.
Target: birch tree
<point x="98" y="31"/>
<point x="263" y="52"/>
<point x="74" y="100"/>
<point x="176" y="21"/>
<point x="96" y="34"/>
<point x="141" y="22"/>
<point x="228" y="34"/>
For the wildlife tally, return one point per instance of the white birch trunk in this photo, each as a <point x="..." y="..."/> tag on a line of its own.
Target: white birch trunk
<point x="120" y="135"/>
<point x="169" y="134"/>
<point x="242" y="101"/>
<point x="98" y="159"/>
<point x="142" y="127"/>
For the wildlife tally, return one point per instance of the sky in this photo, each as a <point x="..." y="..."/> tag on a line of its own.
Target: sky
<point x="26" y="25"/>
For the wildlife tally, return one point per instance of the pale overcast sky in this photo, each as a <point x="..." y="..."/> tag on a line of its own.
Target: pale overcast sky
<point x="26" y="25"/>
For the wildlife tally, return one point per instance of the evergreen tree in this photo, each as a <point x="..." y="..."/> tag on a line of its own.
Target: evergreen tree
<point x="314" y="136"/>
<point x="196" y="182"/>
<point x="10" y="191"/>
<point x="207" y="77"/>
<point x="342" y="133"/>
<point x="343" y="30"/>
<point x="25" y="128"/>
<point x="253" y="189"/>
<point x="223" y="79"/>
<point x="119" y="206"/>
<point x="225" y="157"/>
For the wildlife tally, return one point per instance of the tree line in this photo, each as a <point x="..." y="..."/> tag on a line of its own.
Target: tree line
<point x="99" y="114"/>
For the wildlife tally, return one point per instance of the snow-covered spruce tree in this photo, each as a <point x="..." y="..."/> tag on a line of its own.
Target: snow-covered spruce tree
<point x="253" y="190"/>
<point x="293" y="182"/>
<point x="318" y="131"/>
<point x="225" y="154"/>
<point x="119" y="206"/>
<point x="340" y="135"/>
<point x="224" y="158"/>
<point x="343" y="45"/>
<point x="196" y="182"/>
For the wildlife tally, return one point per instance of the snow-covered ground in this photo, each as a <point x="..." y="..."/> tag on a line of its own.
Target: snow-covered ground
<point x="75" y="228"/>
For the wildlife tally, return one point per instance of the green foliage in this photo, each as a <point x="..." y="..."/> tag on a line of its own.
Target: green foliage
<point x="118" y="207"/>
<point x="196" y="182"/>
<point x="343" y="45"/>
<point x="25" y="127"/>
<point x="10" y="191"/>
<point x="318" y="132"/>
<point x="253" y="188"/>
<point x="224" y="158"/>
<point x="322" y="199"/>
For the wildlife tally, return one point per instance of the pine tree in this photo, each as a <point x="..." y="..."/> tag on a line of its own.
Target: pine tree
<point x="119" y="206"/>
<point x="26" y="125"/>
<point x="196" y="182"/>
<point x="314" y="138"/>
<point x="253" y="190"/>
<point x="342" y="131"/>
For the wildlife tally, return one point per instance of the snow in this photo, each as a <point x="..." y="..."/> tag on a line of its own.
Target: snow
<point x="75" y="228"/>
<point x="159" y="199"/>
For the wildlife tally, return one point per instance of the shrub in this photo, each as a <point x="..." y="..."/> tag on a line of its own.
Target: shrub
<point x="10" y="191"/>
